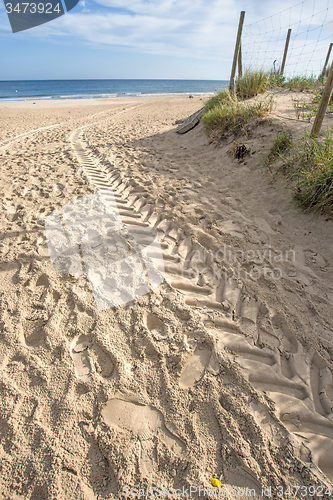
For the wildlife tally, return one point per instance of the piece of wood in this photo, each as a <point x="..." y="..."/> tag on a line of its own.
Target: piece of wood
<point x="327" y="59"/>
<point x="325" y="98"/>
<point x="237" y="46"/>
<point x="240" y="62"/>
<point x="191" y="121"/>
<point x="285" y="52"/>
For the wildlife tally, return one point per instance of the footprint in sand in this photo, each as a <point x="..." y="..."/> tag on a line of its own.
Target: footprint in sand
<point x="263" y="225"/>
<point x="88" y="357"/>
<point x="33" y="331"/>
<point x="195" y="367"/>
<point x="240" y="479"/>
<point x="155" y="325"/>
<point x="230" y="227"/>
<point x="147" y="424"/>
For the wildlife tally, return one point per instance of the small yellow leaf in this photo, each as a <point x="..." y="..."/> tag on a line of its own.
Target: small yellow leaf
<point x="216" y="482"/>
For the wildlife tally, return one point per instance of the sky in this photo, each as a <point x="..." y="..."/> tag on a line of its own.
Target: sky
<point x="176" y="39"/>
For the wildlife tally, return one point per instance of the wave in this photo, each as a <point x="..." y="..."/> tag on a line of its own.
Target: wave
<point x="104" y="96"/>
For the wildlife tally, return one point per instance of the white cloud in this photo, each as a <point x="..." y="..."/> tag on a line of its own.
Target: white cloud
<point x="202" y="29"/>
<point x="184" y="28"/>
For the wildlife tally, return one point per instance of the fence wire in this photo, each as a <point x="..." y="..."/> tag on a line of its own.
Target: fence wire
<point x="311" y="22"/>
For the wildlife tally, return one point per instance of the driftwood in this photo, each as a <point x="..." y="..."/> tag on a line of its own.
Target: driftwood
<point x="191" y="121"/>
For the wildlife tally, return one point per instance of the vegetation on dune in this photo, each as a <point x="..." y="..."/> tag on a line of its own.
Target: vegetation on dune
<point x="303" y="82"/>
<point x="307" y="107"/>
<point x="311" y="168"/>
<point x="308" y="163"/>
<point x="227" y="114"/>
<point x="220" y="99"/>
<point x="255" y="82"/>
<point x="276" y="79"/>
<point x="281" y="144"/>
<point x="252" y="83"/>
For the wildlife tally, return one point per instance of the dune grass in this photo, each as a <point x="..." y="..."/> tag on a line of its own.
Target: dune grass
<point x="303" y="82"/>
<point x="309" y="163"/>
<point x="311" y="167"/>
<point x="227" y="114"/>
<point x="252" y="83"/>
<point x="282" y="143"/>
<point x="255" y="82"/>
<point x="220" y="99"/>
<point x="276" y="79"/>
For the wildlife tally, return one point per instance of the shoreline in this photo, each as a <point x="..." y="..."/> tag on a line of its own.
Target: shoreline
<point x="75" y="103"/>
<point x="124" y="96"/>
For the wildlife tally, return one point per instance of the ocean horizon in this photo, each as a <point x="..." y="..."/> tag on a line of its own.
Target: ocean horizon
<point x="23" y="90"/>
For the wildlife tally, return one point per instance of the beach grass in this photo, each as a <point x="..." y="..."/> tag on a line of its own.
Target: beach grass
<point x="311" y="168"/>
<point x="281" y="143"/>
<point x="227" y="114"/>
<point x="220" y="99"/>
<point x="308" y="164"/>
<point x="303" y="82"/>
<point x="276" y="79"/>
<point x="252" y="83"/>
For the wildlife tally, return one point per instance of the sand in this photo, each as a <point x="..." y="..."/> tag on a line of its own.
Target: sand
<point x="223" y="370"/>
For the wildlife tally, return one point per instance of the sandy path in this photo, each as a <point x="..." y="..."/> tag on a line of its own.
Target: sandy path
<point x="149" y="393"/>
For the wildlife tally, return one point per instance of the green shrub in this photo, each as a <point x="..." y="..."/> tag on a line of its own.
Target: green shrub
<point x="219" y="99"/>
<point x="276" y="79"/>
<point x="281" y="143"/>
<point x="228" y="115"/>
<point x="311" y="167"/>
<point x="310" y="161"/>
<point x="302" y="83"/>
<point x="252" y="83"/>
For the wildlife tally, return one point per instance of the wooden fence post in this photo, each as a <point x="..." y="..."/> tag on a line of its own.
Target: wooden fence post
<point x="285" y="52"/>
<point x="325" y="98"/>
<point x="327" y="59"/>
<point x="240" y="62"/>
<point x="238" y="42"/>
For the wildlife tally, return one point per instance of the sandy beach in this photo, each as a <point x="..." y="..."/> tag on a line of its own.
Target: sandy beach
<point x="223" y="369"/>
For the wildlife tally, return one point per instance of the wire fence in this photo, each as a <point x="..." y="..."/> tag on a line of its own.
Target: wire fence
<point x="311" y="24"/>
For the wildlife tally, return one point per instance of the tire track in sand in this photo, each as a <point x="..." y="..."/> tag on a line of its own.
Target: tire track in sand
<point x="5" y="144"/>
<point x="297" y="380"/>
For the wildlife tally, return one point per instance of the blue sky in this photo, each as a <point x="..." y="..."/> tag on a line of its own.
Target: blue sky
<point x="186" y="39"/>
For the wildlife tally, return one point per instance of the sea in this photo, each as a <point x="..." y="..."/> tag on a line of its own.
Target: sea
<point x="24" y="90"/>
